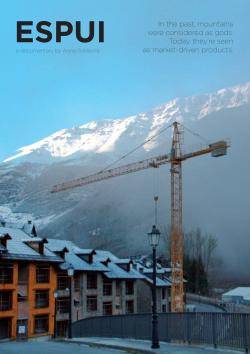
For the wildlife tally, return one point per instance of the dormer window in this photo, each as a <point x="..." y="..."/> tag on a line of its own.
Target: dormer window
<point x="37" y="245"/>
<point x="106" y="262"/>
<point x="62" y="252"/>
<point x="87" y="257"/>
<point x="125" y="265"/>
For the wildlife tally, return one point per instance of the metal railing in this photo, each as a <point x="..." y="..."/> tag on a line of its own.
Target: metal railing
<point x="217" y="329"/>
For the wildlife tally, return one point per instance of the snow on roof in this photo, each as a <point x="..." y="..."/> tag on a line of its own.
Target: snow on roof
<point x="72" y="257"/>
<point x="147" y="272"/>
<point x="159" y="282"/>
<point x="18" y="248"/>
<point x="123" y="261"/>
<point x="104" y="255"/>
<point x="240" y="291"/>
<point x="116" y="272"/>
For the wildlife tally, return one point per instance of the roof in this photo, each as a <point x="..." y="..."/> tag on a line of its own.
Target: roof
<point x="123" y="261"/>
<point x="116" y="272"/>
<point x="148" y="271"/>
<point x="240" y="291"/>
<point x="159" y="282"/>
<point x="73" y="256"/>
<point x="18" y="248"/>
<point x="104" y="255"/>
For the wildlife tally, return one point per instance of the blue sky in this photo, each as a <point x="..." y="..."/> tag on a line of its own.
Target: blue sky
<point x="42" y="93"/>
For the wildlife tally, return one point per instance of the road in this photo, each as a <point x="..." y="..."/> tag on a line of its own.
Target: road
<point x="52" y="348"/>
<point x="37" y="347"/>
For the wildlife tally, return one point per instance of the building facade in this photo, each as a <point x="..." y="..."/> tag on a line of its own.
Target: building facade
<point x="102" y="285"/>
<point x="27" y="284"/>
<point x="35" y="285"/>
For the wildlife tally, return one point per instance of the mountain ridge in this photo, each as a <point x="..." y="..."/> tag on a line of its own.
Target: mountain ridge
<point x="102" y="136"/>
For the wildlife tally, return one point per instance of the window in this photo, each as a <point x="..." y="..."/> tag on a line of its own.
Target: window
<point x="91" y="303"/>
<point x="62" y="305"/>
<point x="164" y="308"/>
<point x="23" y="274"/>
<point x="77" y="283"/>
<point x="107" y="287"/>
<point x="91" y="281"/>
<point x="5" y="300"/>
<point x="41" y="324"/>
<point x="6" y="273"/>
<point x="42" y="298"/>
<point x="130" y="306"/>
<point x="42" y="274"/>
<point x="163" y="293"/>
<point x="129" y="287"/>
<point x="107" y="308"/>
<point x="62" y="281"/>
<point x="118" y="288"/>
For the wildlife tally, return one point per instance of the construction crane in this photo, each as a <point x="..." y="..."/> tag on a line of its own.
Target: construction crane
<point x="175" y="158"/>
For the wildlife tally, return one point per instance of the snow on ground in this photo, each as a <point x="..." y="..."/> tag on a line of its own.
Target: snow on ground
<point x="6" y="214"/>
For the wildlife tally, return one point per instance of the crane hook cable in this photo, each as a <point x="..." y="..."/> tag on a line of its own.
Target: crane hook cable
<point x="113" y="163"/>
<point x="195" y="134"/>
<point x="136" y="148"/>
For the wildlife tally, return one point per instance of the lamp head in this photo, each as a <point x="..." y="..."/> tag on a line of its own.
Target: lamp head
<point x="154" y="237"/>
<point x="70" y="270"/>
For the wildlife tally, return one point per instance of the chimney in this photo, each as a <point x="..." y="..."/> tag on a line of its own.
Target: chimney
<point x="41" y="246"/>
<point x="33" y="231"/>
<point x="91" y="256"/>
<point x="106" y="262"/>
<point x="4" y="239"/>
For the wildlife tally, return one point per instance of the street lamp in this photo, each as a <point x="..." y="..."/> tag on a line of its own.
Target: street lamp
<point x="55" y="326"/>
<point x="70" y="271"/>
<point x="154" y="238"/>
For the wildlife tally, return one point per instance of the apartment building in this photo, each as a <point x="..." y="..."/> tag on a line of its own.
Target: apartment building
<point x="102" y="285"/>
<point x="163" y="286"/>
<point x="27" y="285"/>
<point x="37" y="294"/>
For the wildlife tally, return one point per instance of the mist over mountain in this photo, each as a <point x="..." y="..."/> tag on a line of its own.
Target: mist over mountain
<point x="121" y="210"/>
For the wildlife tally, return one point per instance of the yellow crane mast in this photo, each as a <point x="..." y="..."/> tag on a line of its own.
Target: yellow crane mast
<point x="175" y="158"/>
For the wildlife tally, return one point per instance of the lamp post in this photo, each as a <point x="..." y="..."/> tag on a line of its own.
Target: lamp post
<point x="55" y="326"/>
<point x="154" y="237"/>
<point x="70" y="271"/>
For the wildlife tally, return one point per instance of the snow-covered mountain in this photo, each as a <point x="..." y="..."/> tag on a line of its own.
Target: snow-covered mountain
<point x="119" y="212"/>
<point x="97" y="137"/>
